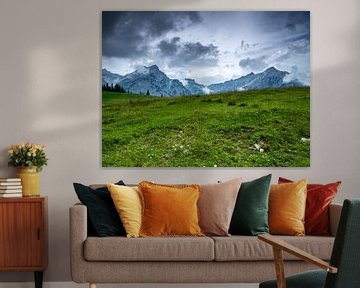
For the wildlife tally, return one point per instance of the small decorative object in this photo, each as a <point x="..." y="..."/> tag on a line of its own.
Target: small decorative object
<point x="30" y="158"/>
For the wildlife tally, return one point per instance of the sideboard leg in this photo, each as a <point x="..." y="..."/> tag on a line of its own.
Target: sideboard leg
<point x="92" y="285"/>
<point x="38" y="279"/>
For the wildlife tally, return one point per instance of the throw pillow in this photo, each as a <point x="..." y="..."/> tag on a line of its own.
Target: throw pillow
<point x="102" y="216"/>
<point x="319" y="197"/>
<point x="169" y="210"/>
<point x="250" y="215"/>
<point x="216" y="206"/>
<point x="127" y="201"/>
<point x="287" y="208"/>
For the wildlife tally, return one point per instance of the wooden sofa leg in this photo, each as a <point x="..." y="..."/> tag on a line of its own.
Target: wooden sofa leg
<point x="92" y="285"/>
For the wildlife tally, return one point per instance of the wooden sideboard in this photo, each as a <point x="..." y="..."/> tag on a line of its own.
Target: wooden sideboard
<point x="23" y="235"/>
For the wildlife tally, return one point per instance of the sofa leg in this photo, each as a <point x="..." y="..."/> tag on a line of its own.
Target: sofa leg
<point x="92" y="285"/>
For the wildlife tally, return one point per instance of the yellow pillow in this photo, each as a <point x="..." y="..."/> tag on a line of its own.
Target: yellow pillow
<point x="127" y="201"/>
<point x="169" y="210"/>
<point x="287" y="204"/>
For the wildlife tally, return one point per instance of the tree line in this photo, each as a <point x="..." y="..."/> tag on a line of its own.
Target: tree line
<point x="118" y="88"/>
<point x="113" y="88"/>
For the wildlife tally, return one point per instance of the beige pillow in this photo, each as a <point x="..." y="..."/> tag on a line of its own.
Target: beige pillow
<point x="216" y="206"/>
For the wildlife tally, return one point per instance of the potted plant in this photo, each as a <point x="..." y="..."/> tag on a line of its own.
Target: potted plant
<point x="30" y="158"/>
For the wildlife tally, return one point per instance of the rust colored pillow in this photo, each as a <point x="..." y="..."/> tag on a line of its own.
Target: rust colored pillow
<point x="319" y="197"/>
<point x="287" y="204"/>
<point x="169" y="210"/>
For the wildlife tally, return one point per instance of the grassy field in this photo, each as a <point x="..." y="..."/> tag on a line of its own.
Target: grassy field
<point x="218" y="130"/>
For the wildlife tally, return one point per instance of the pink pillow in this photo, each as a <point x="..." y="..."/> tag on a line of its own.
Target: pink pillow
<point x="216" y="206"/>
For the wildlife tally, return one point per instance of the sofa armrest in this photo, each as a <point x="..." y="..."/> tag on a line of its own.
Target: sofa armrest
<point x="334" y="217"/>
<point x="78" y="235"/>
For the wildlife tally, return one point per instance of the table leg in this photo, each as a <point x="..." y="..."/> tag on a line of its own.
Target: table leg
<point x="38" y="279"/>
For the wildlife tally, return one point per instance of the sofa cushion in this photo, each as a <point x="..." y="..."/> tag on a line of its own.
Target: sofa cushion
<point x="216" y="206"/>
<point x="287" y="204"/>
<point x="250" y="215"/>
<point x="102" y="216"/>
<point x="127" y="201"/>
<point x="149" y="249"/>
<point x="169" y="210"/>
<point x="244" y="248"/>
<point x="318" y="199"/>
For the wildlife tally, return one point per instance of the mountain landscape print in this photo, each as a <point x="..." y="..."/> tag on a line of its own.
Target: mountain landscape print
<point x="205" y="89"/>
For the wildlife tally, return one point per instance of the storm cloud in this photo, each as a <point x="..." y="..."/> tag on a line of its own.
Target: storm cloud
<point x="254" y="64"/>
<point x="208" y="46"/>
<point x="127" y="34"/>
<point x="185" y="54"/>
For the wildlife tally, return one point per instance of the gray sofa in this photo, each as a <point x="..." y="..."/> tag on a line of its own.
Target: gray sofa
<point x="234" y="259"/>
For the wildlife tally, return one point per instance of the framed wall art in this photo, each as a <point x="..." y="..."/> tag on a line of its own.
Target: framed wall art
<point x="205" y="89"/>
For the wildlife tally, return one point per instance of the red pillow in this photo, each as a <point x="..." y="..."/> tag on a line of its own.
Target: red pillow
<point x="319" y="197"/>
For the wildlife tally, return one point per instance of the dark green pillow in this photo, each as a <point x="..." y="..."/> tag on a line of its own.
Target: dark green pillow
<point x="250" y="215"/>
<point x="102" y="215"/>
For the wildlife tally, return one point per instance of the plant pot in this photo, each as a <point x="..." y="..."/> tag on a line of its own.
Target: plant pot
<point x="30" y="181"/>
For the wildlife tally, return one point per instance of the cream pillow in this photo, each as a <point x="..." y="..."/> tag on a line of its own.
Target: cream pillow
<point x="127" y="201"/>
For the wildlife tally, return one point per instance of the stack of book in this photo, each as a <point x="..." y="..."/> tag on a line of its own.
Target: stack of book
<point x="10" y="187"/>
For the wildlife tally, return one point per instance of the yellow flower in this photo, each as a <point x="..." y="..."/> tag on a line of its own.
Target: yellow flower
<point x="28" y="154"/>
<point x="11" y="151"/>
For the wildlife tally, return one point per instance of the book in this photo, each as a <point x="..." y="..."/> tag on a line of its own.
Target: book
<point x="10" y="187"/>
<point x="4" y="195"/>
<point x="10" y="180"/>
<point x="3" y="191"/>
<point x="10" y="183"/>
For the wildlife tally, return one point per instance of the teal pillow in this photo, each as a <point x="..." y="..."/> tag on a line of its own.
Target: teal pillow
<point x="250" y="216"/>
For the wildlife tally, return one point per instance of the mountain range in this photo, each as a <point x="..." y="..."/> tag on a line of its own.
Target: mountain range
<point x="151" y="79"/>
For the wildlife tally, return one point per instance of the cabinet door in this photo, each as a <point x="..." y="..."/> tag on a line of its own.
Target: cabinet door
<point x="21" y="234"/>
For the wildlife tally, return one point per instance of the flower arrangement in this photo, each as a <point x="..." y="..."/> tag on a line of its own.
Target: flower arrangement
<point x="27" y="155"/>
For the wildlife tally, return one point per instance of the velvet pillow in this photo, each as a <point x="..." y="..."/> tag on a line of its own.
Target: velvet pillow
<point x="287" y="204"/>
<point x="102" y="215"/>
<point x="216" y="206"/>
<point x="127" y="201"/>
<point x="250" y="215"/>
<point x="169" y="210"/>
<point x="318" y="200"/>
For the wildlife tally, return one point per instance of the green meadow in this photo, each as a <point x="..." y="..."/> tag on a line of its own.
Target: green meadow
<point x="257" y="128"/>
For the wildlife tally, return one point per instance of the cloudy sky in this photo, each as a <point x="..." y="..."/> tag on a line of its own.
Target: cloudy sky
<point x="210" y="47"/>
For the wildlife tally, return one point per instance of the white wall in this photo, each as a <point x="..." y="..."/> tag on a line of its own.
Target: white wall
<point x="50" y="64"/>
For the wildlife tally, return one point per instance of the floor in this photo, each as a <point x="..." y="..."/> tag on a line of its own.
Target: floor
<point x="74" y="285"/>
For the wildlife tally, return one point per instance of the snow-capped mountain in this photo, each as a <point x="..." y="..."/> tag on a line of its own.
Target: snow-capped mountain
<point x="151" y="79"/>
<point x="233" y="85"/>
<point x="110" y="78"/>
<point x="195" y="88"/>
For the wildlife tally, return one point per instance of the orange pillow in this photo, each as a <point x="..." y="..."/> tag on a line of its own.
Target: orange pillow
<point x="287" y="204"/>
<point x="169" y="210"/>
<point x="318" y="200"/>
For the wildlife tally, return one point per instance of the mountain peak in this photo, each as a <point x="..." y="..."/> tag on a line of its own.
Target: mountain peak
<point x="153" y="67"/>
<point x="271" y="69"/>
<point x="148" y="69"/>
